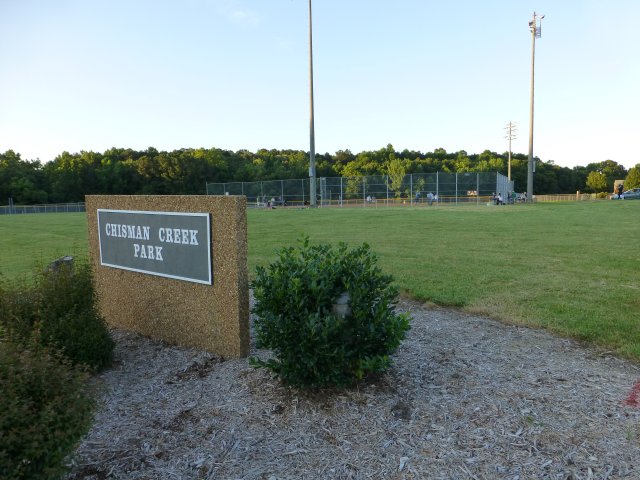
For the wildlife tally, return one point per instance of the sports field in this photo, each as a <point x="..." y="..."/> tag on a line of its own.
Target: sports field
<point x="573" y="268"/>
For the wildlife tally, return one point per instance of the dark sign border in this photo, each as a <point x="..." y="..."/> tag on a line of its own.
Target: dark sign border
<point x="150" y="272"/>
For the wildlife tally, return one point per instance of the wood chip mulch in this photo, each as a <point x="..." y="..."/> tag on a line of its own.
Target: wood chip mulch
<point x="467" y="398"/>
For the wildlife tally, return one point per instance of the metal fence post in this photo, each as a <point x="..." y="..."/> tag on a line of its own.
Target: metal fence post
<point x="411" y="188"/>
<point x="456" y="188"/>
<point x="386" y="183"/>
<point x="364" y="191"/>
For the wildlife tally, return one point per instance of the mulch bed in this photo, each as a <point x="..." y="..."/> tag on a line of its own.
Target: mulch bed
<point x="467" y="398"/>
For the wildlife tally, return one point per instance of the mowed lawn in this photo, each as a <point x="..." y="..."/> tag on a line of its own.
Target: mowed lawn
<point x="31" y="241"/>
<point x="573" y="268"/>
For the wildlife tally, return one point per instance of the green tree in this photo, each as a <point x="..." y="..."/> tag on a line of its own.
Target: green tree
<point x="546" y="180"/>
<point x="462" y="162"/>
<point x="341" y="159"/>
<point x="21" y="180"/>
<point x="72" y="176"/>
<point x="633" y="178"/>
<point x="363" y="164"/>
<point x="611" y="170"/>
<point x="396" y="171"/>
<point x="597" y="181"/>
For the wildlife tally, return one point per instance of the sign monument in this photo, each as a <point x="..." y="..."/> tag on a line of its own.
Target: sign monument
<point x="173" y="268"/>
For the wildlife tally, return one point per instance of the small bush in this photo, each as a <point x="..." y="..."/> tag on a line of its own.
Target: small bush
<point x="45" y="409"/>
<point x="59" y="309"/>
<point x="314" y="344"/>
<point x="19" y="305"/>
<point x="70" y="319"/>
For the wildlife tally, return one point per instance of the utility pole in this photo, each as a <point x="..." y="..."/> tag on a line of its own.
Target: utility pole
<point x="312" y="139"/>
<point x="535" y="25"/>
<point x="512" y="131"/>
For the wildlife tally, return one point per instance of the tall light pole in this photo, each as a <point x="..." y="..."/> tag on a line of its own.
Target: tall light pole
<point x="312" y="135"/>
<point x="535" y="25"/>
<point x="511" y="135"/>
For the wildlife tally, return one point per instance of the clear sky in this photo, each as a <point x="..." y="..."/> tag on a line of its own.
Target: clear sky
<point x="94" y="74"/>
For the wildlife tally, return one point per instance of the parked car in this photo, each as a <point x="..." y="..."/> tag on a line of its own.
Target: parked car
<point x="631" y="194"/>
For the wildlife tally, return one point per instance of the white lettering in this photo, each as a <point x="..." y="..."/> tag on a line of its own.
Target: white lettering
<point x="182" y="236"/>
<point x="135" y="232"/>
<point x="150" y="252"/>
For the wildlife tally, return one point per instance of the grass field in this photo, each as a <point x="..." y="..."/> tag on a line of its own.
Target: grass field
<point x="571" y="267"/>
<point x="31" y="241"/>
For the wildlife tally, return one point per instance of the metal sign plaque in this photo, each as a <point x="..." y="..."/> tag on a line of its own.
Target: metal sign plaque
<point x="168" y="244"/>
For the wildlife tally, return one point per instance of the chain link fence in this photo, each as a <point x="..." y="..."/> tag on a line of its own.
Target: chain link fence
<point x="280" y="192"/>
<point x="45" y="208"/>
<point x="412" y="189"/>
<point x="447" y="188"/>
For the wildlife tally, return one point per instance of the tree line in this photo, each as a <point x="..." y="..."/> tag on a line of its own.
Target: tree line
<point x="71" y="176"/>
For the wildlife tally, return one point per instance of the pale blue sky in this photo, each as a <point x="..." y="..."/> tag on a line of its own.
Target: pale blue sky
<point x="94" y="74"/>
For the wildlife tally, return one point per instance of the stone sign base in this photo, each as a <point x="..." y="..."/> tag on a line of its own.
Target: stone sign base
<point x="211" y="317"/>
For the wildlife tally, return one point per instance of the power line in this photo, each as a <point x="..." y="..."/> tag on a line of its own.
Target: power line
<point x="512" y="132"/>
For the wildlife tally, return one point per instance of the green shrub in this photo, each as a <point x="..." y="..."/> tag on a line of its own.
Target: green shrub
<point x="45" y="409"/>
<point x="313" y="343"/>
<point x="59" y="309"/>
<point x="19" y="305"/>
<point x="70" y="319"/>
